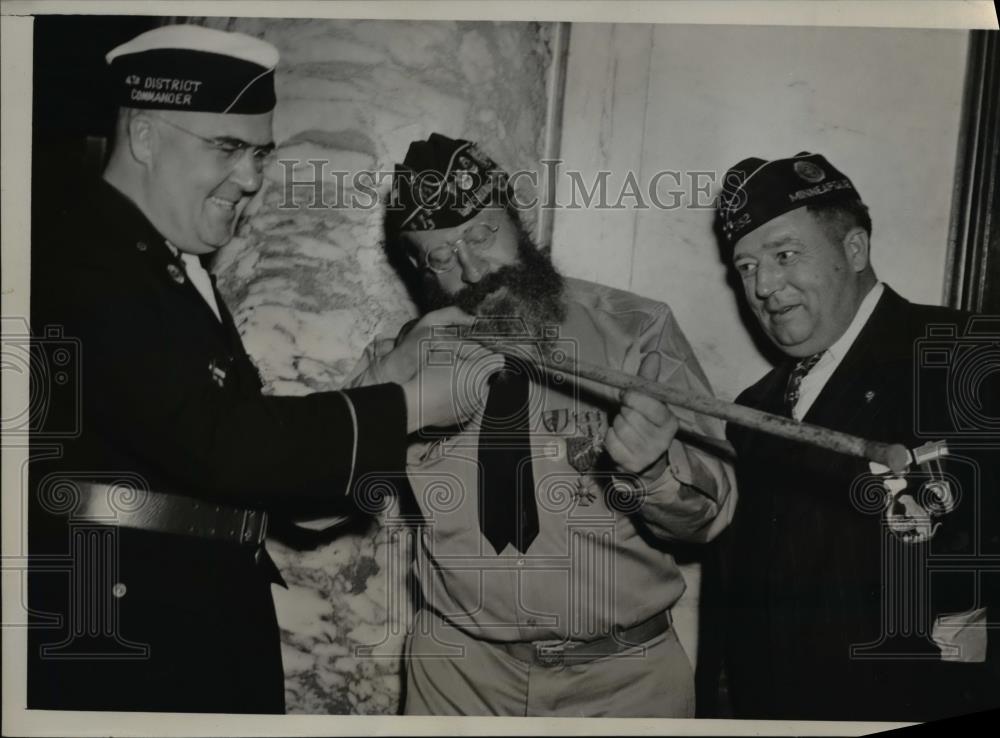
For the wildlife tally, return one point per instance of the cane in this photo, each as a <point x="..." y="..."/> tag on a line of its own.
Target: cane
<point x="895" y="456"/>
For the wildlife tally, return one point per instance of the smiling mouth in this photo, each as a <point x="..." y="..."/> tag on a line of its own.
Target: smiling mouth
<point x="780" y="313"/>
<point x="223" y="204"/>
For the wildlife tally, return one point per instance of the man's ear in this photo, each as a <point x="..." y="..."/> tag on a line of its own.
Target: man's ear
<point x="857" y="249"/>
<point x="142" y="135"/>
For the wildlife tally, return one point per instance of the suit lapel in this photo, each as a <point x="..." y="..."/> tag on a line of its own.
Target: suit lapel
<point x="855" y="391"/>
<point x="146" y="241"/>
<point x="769" y="398"/>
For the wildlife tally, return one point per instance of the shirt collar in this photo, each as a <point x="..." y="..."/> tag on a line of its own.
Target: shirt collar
<point x="843" y="344"/>
<point x="191" y="260"/>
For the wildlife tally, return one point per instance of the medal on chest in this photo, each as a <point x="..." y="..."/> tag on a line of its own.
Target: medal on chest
<point x="583" y="447"/>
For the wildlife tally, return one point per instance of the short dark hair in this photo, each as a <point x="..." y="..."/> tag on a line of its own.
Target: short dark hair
<point x="840" y="217"/>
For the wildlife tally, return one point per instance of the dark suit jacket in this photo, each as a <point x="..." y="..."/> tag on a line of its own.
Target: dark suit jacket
<point x="159" y="390"/>
<point x="810" y="570"/>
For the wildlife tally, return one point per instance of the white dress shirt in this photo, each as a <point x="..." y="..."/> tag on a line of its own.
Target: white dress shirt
<point x="814" y="382"/>
<point x="199" y="278"/>
<point x="201" y="281"/>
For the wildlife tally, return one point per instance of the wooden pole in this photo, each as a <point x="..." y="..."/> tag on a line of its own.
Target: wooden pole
<point x="893" y="455"/>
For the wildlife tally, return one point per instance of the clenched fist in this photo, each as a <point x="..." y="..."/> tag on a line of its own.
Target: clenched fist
<point x="644" y="429"/>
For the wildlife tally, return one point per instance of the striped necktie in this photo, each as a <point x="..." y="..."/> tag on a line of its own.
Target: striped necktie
<point x="799" y="371"/>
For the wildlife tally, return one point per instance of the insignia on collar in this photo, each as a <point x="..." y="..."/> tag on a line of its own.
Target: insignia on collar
<point x="217" y="373"/>
<point x="176" y="273"/>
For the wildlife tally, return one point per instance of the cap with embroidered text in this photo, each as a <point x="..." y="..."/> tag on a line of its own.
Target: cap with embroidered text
<point x="755" y="191"/>
<point x="197" y="69"/>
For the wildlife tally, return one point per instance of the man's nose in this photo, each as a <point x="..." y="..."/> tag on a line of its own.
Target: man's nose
<point x="769" y="279"/>
<point x="474" y="266"/>
<point x="249" y="172"/>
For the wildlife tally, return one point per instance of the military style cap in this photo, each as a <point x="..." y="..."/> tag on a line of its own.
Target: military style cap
<point x="755" y="191"/>
<point x="197" y="69"/>
<point x="442" y="183"/>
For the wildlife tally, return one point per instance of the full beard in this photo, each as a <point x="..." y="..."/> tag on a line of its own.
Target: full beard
<point x="522" y="300"/>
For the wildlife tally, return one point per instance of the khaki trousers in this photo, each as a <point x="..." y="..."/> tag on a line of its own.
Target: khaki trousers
<point x="450" y="673"/>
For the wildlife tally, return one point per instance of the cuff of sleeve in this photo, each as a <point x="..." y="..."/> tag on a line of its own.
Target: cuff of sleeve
<point x="380" y="431"/>
<point x="678" y="473"/>
<point x="684" y="485"/>
<point x="688" y="470"/>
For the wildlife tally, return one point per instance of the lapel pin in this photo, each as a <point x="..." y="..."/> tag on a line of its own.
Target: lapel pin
<point x="175" y="273"/>
<point x="217" y="372"/>
<point x="869" y="396"/>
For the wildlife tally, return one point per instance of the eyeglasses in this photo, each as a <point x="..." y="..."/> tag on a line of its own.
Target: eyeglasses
<point x="479" y="238"/>
<point x="232" y="149"/>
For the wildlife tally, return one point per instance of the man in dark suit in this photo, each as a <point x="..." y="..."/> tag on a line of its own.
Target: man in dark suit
<point x="848" y="595"/>
<point x="149" y="585"/>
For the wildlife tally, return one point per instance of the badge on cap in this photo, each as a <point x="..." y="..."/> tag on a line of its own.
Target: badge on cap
<point x="809" y="172"/>
<point x="442" y="183"/>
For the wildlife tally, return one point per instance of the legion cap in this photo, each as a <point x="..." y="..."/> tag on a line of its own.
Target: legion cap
<point x="755" y="191"/>
<point x="194" y="68"/>
<point x="442" y="183"/>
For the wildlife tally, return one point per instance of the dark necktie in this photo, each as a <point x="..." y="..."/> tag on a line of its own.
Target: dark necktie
<point x="801" y="369"/>
<point x="507" y="509"/>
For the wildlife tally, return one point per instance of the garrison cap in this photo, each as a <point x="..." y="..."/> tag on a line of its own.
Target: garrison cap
<point x="197" y="69"/>
<point x="755" y="191"/>
<point x="442" y="183"/>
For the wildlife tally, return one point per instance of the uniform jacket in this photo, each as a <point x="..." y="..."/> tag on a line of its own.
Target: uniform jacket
<point x="827" y="612"/>
<point x="163" y="394"/>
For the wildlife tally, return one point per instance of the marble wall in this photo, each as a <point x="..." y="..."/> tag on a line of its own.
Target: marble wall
<point x="310" y="286"/>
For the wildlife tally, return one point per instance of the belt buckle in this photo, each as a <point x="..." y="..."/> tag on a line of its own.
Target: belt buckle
<point x="254" y="527"/>
<point x="549" y="654"/>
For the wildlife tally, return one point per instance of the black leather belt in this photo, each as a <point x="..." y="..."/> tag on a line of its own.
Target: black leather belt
<point x="557" y="653"/>
<point x="168" y="513"/>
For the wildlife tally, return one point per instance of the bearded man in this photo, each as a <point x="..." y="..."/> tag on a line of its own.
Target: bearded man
<point x="544" y="550"/>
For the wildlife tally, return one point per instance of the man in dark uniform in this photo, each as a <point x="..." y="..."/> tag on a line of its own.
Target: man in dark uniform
<point x="150" y="586"/>
<point x="850" y="595"/>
